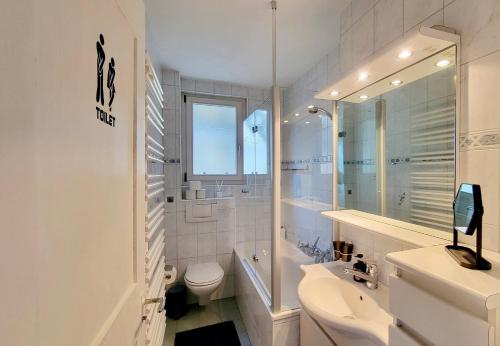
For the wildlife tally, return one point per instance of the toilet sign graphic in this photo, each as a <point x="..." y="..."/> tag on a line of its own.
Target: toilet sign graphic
<point x="102" y="115"/>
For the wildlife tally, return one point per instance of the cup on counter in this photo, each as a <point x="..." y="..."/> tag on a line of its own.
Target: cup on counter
<point x="347" y="252"/>
<point x="338" y="247"/>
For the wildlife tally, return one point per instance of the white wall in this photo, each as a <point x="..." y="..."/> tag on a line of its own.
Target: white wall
<point x="369" y="25"/>
<point x="67" y="209"/>
<point x="18" y="322"/>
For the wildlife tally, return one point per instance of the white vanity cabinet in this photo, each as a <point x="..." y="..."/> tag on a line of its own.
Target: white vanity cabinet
<point x="435" y="301"/>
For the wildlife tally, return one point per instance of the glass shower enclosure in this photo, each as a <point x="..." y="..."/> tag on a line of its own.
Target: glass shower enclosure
<point x="254" y="206"/>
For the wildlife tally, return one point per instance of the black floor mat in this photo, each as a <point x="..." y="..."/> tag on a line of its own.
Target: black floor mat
<point x="220" y="334"/>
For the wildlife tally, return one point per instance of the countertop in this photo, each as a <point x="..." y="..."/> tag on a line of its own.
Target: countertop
<point x="436" y="263"/>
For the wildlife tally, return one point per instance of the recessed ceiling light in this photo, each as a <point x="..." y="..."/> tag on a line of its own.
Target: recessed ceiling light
<point x="363" y="97"/>
<point x="363" y="76"/>
<point x="297" y="114"/>
<point x="334" y="93"/>
<point x="285" y="121"/>
<point x="443" y="63"/>
<point x="405" y="54"/>
<point x="308" y="122"/>
<point x="397" y="82"/>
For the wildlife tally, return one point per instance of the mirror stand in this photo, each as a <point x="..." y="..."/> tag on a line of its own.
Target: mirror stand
<point x="467" y="257"/>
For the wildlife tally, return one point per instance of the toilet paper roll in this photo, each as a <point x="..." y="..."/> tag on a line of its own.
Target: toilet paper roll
<point x="195" y="185"/>
<point x="200" y="194"/>
<point x="190" y="194"/>
<point x="170" y="275"/>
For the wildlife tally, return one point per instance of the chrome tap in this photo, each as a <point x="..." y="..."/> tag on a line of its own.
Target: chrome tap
<point x="315" y="246"/>
<point x="371" y="275"/>
<point x="321" y="256"/>
<point x="314" y="251"/>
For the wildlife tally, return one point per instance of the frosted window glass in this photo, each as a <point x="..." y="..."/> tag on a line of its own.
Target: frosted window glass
<point x="255" y="134"/>
<point x="214" y="139"/>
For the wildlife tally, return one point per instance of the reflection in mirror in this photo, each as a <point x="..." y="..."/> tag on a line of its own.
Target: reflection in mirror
<point x="466" y="208"/>
<point x="397" y="145"/>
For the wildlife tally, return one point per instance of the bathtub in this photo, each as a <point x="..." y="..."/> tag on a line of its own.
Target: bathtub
<point x="264" y="327"/>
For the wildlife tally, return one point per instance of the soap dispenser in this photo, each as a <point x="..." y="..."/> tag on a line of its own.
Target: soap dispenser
<point x="359" y="266"/>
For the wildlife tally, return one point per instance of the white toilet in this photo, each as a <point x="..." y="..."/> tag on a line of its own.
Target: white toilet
<point x="202" y="279"/>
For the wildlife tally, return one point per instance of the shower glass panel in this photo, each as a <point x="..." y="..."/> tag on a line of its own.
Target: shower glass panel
<point x="397" y="148"/>
<point x="254" y="222"/>
<point x="306" y="191"/>
<point x="358" y="157"/>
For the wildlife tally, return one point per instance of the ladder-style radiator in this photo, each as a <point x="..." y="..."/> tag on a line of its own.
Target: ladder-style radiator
<point x="432" y="177"/>
<point x="155" y="199"/>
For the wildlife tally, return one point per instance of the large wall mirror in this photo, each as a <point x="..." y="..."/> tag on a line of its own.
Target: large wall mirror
<point x="396" y="148"/>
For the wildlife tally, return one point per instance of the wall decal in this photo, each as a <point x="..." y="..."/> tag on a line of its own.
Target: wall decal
<point x="111" y="82"/>
<point x="102" y="115"/>
<point x="101" y="57"/>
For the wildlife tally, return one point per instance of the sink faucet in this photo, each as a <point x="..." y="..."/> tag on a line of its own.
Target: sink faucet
<point x="371" y="275"/>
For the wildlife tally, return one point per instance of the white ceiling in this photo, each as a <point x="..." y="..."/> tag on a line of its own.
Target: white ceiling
<point x="230" y="40"/>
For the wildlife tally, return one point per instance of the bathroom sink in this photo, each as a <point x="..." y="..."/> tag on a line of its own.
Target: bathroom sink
<point x="343" y="306"/>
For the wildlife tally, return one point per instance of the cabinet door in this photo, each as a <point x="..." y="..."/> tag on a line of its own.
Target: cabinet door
<point x="438" y="321"/>
<point x="311" y="334"/>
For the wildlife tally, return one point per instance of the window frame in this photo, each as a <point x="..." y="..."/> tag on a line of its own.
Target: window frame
<point x="240" y="105"/>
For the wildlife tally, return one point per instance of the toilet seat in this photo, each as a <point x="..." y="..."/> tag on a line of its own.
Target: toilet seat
<point x="203" y="274"/>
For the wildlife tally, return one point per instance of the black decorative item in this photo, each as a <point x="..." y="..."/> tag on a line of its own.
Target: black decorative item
<point x="467" y="217"/>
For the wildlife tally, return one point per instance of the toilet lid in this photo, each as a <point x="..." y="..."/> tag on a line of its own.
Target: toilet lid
<point x="203" y="273"/>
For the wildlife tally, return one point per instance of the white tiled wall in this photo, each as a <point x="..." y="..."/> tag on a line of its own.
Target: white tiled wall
<point x="255" y="96"/>
<point x="367" y="26"/>
<point x="374" y="247"/>
<point x="213" y="241"/>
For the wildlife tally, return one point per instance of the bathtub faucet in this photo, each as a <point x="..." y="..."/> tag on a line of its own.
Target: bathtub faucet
<point x="319" y="255"/>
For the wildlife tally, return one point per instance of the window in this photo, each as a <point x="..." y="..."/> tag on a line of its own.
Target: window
<point x="214" y="131"/>
<point x="256" y="145"/>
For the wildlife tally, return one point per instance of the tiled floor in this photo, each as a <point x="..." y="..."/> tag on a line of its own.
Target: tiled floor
<point x="198" y="316"/>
